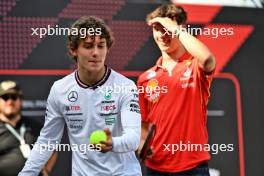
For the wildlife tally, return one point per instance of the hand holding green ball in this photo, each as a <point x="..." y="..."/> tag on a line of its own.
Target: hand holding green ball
<point x="103" y="137"/>
<point x="98" y="136"/>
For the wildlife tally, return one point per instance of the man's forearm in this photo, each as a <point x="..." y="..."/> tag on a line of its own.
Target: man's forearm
<point x="37" y="159"/>
<point x="144" y="133"/>
<point x="129" y="141"/>
<point x="51" y="162"/>
<point x="199" y="50"/>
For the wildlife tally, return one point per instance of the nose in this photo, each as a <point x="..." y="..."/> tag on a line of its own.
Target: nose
<point x="95" y="51"/>
<point x="9" y="101"/>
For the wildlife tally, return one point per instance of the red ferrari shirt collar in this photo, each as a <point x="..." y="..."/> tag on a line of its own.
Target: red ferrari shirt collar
<point x="185" y="56"/>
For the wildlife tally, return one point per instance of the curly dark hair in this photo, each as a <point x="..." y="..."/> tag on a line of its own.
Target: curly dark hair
<point x="88" y="22"/>
<point x="169" y="10"/>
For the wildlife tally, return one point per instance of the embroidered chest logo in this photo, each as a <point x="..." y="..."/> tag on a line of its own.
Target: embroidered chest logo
<point x="187" y="79"/>
<point x="186" y="75"/>
<point x="73" y="96"/>
<point x="108" y="94"/>
<point x="108" y="108"/>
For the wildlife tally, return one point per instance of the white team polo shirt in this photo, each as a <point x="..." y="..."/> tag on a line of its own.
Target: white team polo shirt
<point x="83" y="109"/>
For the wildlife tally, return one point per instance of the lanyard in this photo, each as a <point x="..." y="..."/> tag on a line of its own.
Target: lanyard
<point x="20" y="136"/>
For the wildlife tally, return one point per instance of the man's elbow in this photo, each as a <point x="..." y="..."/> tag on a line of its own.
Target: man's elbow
<point x="209" y="64"/>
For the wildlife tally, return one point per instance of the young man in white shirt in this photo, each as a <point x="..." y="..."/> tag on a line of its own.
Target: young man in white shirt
<point x="86" y="101"/>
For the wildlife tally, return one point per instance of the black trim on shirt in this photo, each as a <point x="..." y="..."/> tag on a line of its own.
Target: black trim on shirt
<point x="95" y="85"/>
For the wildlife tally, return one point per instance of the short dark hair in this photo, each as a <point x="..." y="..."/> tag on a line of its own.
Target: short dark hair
<point x="89" y="22"/>
<point x="169" y="10"/>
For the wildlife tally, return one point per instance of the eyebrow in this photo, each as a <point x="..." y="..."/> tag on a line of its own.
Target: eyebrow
<point x="101" y="42"/>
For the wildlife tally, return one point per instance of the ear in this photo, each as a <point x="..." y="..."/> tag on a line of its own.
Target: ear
<point x="73" y="52"/>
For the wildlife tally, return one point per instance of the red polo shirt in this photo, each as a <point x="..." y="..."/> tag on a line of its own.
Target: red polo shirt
<point x="177" y="103"/>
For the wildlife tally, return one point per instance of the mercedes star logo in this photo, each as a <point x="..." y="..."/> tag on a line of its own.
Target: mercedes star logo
<point x="73" y="96"/>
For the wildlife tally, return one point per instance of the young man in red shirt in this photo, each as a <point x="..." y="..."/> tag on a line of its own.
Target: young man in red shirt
<point x="176" y="97"/>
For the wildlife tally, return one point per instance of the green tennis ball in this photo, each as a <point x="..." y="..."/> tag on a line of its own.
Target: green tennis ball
<point x="98" y="136"/>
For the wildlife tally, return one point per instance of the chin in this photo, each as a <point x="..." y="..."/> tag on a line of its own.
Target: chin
<point x="169" y="49"/>
<point x="11" y="115"/>
<point x="165" y="49"/>
<point x="95" y="68"/>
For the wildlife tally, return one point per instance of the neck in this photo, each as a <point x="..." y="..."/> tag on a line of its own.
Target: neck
<point x="175" y="55"/>
<point x="90" y="78"/>
<point x="12" y="121"/>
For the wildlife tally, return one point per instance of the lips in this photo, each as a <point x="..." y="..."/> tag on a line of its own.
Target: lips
<point x="165" y="43"/>
<point x="93" y="61"/>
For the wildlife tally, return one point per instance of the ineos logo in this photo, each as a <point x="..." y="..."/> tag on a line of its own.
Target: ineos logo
<point x="73" y="96"/>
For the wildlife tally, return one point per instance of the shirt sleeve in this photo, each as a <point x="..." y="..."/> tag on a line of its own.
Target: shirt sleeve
<point x="205" y="84"/>
<point x="143" y="104"/>
<point x="131" y="123"/>
<point x="50" y="135"/>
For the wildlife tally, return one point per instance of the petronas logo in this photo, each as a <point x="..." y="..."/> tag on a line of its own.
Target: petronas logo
<point x="108" y="95"/>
